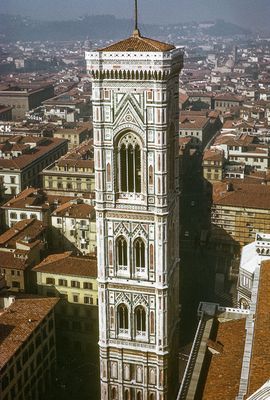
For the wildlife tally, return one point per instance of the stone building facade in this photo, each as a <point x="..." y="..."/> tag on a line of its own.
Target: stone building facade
<point x="135" y="108"/>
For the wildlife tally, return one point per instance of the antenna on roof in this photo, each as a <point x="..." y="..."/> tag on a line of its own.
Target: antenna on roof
<point x="136" y="31"/>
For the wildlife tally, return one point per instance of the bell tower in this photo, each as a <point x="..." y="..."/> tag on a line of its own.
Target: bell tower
<point x="135" y="111"/>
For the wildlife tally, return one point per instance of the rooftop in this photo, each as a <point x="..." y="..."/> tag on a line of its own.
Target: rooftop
<point x="242" y="195"/>
<point x="18" y="322"/>
<point x="67" y="264"/>
<point x="75" y="210"/>
<point x="260" y="359"/>
<point x="222" y="380"/>
<point x="138" y="43"/>
<point x="27" y="228"/>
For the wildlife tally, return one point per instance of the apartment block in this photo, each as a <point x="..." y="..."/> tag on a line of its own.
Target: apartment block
<point x="27" y="347"/>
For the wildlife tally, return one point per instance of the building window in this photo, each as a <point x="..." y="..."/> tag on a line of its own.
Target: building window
<point x="33" y="216"/>
<point x="75" y="284"/>
<point x="59" y="220"/>
<point x="139" y="250"/>
<point x="151" y="251"/>
<point x="150" y="95"/>
<point x="130" y="166"/>
<point x="23" y="216"/>
<point x="50" y="281"/>
<point x="15" y="284"/>
<point x="113" y="393"/>
<point x="152" y="322"/>
<point x="122" y="313"/>
<point x="62" y="282"/>
<point x="121" y="246"/>
<point x="140" y="321"/>
<point x="75" y="298"/>
<point x="109" y="176"/>
<point x="88" y="300"/>
<point x="139" y="395"/>
<point x="110" y="253"/>
<point x="126" y="397"/>
<point x="87" y="285"/>
<point x="151" y="175"/>
<point x="13" y="215"/>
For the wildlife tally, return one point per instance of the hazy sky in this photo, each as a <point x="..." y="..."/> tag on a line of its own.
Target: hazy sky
<point x="252" y="13"/>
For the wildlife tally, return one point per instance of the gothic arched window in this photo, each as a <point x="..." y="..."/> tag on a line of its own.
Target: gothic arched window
<point x="113" y="393"/>
<point x="151" y="175"/>
<point x="126" y="394"/>
<point x="121" y="245"/>
<point x="140" y="321"/>
<point x="122" y="314"/>
<point x="139" y="395"/>
<point x="109" y="176"/>
<point x="139" y="250"/>
<point x="130" y="165"/>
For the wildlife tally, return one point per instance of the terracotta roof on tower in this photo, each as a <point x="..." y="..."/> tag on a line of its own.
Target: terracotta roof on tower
<point x="139" y="43"/>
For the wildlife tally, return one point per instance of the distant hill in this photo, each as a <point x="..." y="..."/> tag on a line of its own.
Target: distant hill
<point x="13" y="28"/>
<point x="222" y="28"/>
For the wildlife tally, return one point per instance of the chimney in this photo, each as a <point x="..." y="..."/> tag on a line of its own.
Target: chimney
<point x="230" y="187"/>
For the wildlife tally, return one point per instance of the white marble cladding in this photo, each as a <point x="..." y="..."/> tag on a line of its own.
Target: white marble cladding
<point x="130" y="60"/>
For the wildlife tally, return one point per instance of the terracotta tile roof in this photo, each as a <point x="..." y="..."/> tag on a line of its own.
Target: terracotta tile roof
<point x="139" y="44"/>
<point x="28" y="197"/>
<point x="228" y="97"/>
<point x="76" y="163"/>
<point x="77" y="130"/>
<point x="31" y="228"/>
<point x="242" y="195"/>
<point x="19" y="321"/>
<point x="223" y="380"/>
<point x="231" y="139"/>
<point x="260" y="359"/>
<point x="74" y="210"/>
<point x="25" y="159"/>
<point x="66" y="264"/>
<point x="213" y="155"/>
<point x="8" y="260"/>
<point x="193" y="122"/>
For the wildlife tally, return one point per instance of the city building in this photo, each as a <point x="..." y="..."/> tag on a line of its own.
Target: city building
<point x="73" y="174"/>
<point x="27" y="347"/>
<point x="73" y="227"/>
<point x="253" y="254"/>
<point x="136" y="133"/>
<point x="245" y="149"/>
<point x="74" y="280"/>
<point x="5" y="113"/>
<point x="21" y="247"/>
<point x="239" y="210"/>
<point x="224" y="102"/>
<point x="200" y="125"/>
<point x="23" y="98"/>
<point x="22" y="158"/>
<point x="213" y="165"/>
<point x="67" y="108"/>
<point x="75" y="135"/>
<point x="228" y="337"/>
<point x="30" y="203"/>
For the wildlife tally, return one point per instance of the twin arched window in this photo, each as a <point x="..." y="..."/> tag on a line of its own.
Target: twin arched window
<point x="139" y="320"/>
<point x="138" y="251"/>
<point x="130" y="165"/>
